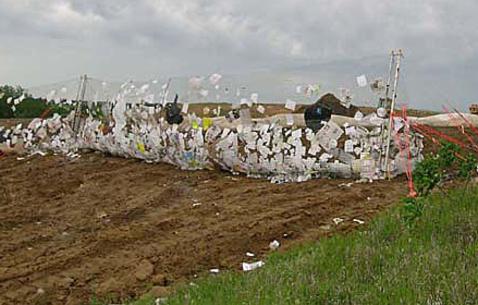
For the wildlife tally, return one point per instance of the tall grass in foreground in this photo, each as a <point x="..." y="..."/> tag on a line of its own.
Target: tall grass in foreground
<point x="435" y="261"/>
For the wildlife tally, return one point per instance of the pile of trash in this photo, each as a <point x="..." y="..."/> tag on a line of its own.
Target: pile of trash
<point x="39" y="137"/>
<point x="269" y="150"/>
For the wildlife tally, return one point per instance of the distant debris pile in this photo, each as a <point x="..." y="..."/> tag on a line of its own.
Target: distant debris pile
<point x="474" y="108"/>
<point x="337" y="106"/>
<point x="323" y="109"/>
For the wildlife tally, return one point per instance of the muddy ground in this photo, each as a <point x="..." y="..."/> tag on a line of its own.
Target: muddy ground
<point x="103" y="226"/>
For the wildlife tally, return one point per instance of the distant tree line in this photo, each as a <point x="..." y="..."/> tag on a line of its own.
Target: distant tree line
<point x="29" y="107"/>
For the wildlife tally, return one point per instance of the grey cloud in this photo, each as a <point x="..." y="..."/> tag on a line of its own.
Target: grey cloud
<point x="48" y="40"/>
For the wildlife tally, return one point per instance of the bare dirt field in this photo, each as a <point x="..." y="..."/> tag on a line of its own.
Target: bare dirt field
<point x="103" y="226"/>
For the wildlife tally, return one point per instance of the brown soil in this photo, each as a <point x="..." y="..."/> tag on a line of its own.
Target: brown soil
<point x="103" y="226"/>
<point x="9" y="123"/>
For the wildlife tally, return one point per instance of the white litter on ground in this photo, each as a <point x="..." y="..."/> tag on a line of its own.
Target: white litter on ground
<point x="360" y="222"/>
<point x="252" y="266"/>
<point x="337" y="221"/>
<point x="274" y="245"/>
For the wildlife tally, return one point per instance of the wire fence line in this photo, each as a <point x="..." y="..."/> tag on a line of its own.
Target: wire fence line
<point x="214" y="88"/>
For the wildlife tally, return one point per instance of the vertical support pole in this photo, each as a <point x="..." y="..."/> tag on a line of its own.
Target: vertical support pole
<point x="385" y="102"/>
<point x="165" y="93"/>
<point x="80" y="97"/>
<point x="387" y="88"/>
<point x="399" y="55"/>
<point x="77" y="106"/>
<point x="83" y="91"/>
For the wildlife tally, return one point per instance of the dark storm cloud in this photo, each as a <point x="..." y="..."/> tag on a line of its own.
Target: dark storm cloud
<point x="48" y="40"/>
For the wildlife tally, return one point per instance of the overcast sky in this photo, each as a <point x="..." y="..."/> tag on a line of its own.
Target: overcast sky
<point x="44" y="41"/>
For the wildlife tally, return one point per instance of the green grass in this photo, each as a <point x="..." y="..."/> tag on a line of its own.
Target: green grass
<point x="433" y="262"/>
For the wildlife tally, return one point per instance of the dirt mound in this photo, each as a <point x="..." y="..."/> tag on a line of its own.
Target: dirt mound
<point x="332" y="103"/>
<point x="323" y="109"/>
<point x="102" y="226"/>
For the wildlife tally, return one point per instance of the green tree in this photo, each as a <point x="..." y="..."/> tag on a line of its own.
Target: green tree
<point x="7" y="92"/>
<point x="30" y="107"/>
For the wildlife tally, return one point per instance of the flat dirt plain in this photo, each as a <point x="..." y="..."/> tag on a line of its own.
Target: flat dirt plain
<point x="99" y="226"/>
<point x="104" y="226"/>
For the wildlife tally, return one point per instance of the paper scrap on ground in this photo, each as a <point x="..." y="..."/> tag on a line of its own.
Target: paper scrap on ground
<point x="252" y="266"/>
<point x="274" y="245"/>
<point x="337" y="220"/>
